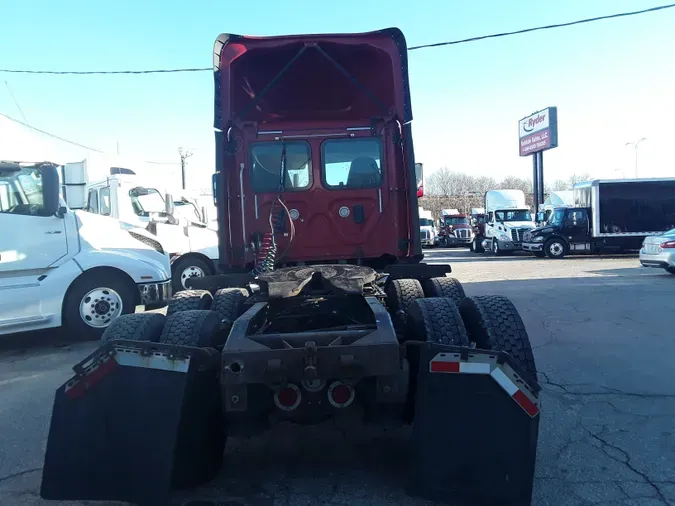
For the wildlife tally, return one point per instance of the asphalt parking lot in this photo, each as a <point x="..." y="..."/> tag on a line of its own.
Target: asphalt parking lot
<point x="603" y="333"/>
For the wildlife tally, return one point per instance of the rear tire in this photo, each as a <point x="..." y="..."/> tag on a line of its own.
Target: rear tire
<point x="493" y="323"/>
<point x="670" y="269"/>
<point x="444" y="287"/>
<point x="191" y="328"/>
<point x="436" y="320"/>
<point x="189" y="300"/>
<point x="135" y="327"/>
<point x="94" y="301"/>
<point x="401" y="293"/>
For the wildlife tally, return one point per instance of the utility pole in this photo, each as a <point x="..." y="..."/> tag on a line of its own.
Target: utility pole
<point x="184" y="155"/>
<point x="635" y="146"/>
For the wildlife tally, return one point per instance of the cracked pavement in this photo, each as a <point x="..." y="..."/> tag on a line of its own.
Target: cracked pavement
<point x="602" y="332"/>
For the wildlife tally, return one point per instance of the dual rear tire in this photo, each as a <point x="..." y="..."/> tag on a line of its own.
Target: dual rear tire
<point x="438" y="311"/>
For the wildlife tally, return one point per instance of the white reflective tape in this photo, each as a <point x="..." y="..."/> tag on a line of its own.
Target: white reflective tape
<point x="153" y="361"/>
<point x="504" y="381"/>
<point x="474" y="368"/>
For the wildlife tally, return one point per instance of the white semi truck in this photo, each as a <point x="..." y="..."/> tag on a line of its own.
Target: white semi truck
<point x="182" y="229"/>
<point x="508" y="218"/>
<point x="428" y="233"/>
<point x="71" y="268"/>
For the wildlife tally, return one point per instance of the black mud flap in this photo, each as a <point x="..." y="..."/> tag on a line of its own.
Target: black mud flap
<point x="136" y="420"/>
<point x="474" y="438"/>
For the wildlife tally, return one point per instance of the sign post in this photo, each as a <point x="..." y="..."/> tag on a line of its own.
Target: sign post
<point x="537" y="133"/>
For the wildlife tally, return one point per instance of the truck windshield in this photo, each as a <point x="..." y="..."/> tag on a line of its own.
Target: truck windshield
<point x="456" y="221"/>
<point x="556" y="218"/>
<point x="21" y="191"/>
<point x="150" y="202"/>
<point x="426" y="222"/>
<point x="518" y="215"/>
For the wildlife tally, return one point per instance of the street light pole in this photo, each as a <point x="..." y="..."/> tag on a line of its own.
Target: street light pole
<point x="635" y="146"/>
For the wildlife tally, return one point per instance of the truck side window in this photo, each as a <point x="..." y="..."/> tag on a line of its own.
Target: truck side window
<point x="104" y="197"/>
<point x="92" y="204"/>
<point x="21" y="193"/>
<point x="265" y="166"/>
<point x="351" y="163"/>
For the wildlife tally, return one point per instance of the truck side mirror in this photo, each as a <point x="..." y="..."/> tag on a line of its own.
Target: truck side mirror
<point x="50" y="189"/>
<point x="205" y="215"/>
<point x="169" y="206"/>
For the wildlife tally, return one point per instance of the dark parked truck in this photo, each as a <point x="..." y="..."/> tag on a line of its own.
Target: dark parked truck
<point x="607" y="216"/>
<point x="322" y="306"/>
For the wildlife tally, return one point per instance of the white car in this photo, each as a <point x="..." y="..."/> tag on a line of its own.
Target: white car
<point x="659" y="251"/>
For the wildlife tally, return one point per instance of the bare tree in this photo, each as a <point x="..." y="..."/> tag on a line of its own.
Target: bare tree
<point x="560" y="185"/>
<point x="578" y="178"/>
<point x="516" y="183"/>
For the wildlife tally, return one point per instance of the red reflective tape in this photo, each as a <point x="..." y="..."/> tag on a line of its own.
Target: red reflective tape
<point x="92" y="378"/>
<point x="525" y="403"/>
<point x="444" y="366"/>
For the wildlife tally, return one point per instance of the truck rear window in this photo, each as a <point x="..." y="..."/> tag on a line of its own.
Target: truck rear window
<point x="265" y="162"/>
<point x="351" y="163"/>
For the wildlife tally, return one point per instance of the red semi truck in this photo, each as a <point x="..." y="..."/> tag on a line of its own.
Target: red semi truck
<point x="322" y="305"/>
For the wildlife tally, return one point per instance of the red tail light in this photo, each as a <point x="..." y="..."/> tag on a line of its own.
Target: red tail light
<point x="668" y="245"/>
<point x="288" y="398"/>
<point x="340" y="395"/>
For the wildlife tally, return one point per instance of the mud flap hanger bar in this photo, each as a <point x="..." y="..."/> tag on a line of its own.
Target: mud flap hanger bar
<point x="337" y="65"/>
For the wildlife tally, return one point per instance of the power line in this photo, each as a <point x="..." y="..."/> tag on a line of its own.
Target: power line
<point x="547" y="27"/>
<point x="412" y="48"/>
<point x="54" y="136"/>
<point x="11" y="93"/>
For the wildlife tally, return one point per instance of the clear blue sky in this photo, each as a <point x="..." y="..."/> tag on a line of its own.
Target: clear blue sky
<point x="613" y="81"/>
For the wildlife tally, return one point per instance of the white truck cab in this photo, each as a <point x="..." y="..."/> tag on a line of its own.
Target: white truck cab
<point x="555" y="199"/>
<point x="507" y="220"/>
<point x="428" y="233"/>
<point x="176" y="221"/>
<point x="64" y="267"/>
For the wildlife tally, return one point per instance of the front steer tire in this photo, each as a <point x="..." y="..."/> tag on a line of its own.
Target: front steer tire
<point x="450" y="288"/>
<point x="126" y="295"/>
<point x="196" y="328"/>
<point x="494" y="323"/>
<point x="145" y="327"/>
<point x="556" y="248"/>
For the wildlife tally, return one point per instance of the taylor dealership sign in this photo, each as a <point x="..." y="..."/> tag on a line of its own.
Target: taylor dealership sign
<point x="538" y="132"/>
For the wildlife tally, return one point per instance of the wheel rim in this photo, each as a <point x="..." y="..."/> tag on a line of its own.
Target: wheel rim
<point x="100" y="306"/>
<point x="556" y="249"/>
<point x="190" y="272"/>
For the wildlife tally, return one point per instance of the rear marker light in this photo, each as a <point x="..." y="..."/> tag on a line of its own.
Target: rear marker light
<point x="450" y="363"/>
<point x="288" y="398"/>
<point x="340" y="395"/>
